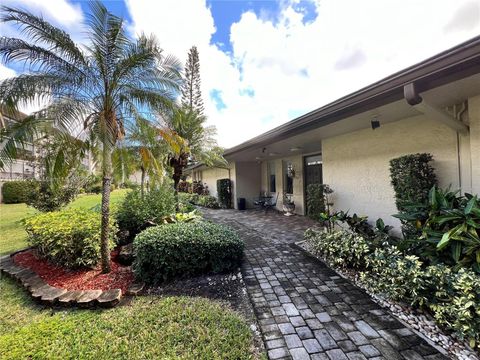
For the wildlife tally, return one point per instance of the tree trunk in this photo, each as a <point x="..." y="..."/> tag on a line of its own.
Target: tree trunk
<point x="142" y="182"/>
<point x="104" y="237"/>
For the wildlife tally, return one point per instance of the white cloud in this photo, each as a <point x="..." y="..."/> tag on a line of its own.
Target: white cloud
<point x="291" y="67"/>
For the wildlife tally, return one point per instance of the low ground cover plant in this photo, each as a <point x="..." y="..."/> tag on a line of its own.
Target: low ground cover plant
<point x="453" y="297"/>
<point x="207" y="201"/>
<point x="69" y="238"/>
<point x="185" y="249"/>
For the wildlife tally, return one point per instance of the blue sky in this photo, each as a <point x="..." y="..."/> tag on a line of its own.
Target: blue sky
<point x="264" y="63"/>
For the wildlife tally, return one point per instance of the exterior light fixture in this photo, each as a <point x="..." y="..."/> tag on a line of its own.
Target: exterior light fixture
<point x="295" y="149"/>
<point x="375" y="123"/>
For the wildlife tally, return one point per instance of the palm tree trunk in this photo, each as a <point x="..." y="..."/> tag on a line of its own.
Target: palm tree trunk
<point x="142" y="182"/>
<point x="104" y="237"/>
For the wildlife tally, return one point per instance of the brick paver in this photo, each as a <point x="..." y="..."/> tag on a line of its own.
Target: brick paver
<point x="305" y="310"/>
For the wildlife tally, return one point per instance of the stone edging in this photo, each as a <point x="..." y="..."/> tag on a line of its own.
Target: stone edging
<point x="51" y="295"/>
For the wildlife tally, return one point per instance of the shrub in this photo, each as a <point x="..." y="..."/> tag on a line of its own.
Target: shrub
<point x="198" y="188"/>
<point x="46" y="197"/>
<point x="453" y="297"/>
<point x="449" y="226"/>
<point x="188" y="198"/>
<point x="69" y="238"/>
<point x="412" y="177"/>
<point x="14" y="192"/>
<point x="208" y="201"/>
<point x="134" y="212"/>
<point x="185" y="249"/>
<point x="224" y="191"/>
<point x="315" y="201"/>
<point x="184" y="186"/>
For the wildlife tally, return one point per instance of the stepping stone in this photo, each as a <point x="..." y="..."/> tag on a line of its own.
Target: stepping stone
<point x="135" y="288"/>
<point x="88" y="297"/>
<point x="70" y="297"/>
<point x="110" y="298"/>
<point x="51" y="295"/>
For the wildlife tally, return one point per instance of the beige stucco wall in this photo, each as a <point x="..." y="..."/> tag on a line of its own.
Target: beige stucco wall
<point x="474" y="117"/>
<point x="356" y="165"/>
<point x="210" y="177"/>
<point x="247" y="182"/>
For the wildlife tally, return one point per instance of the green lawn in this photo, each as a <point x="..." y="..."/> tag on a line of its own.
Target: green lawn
<point x="11" y="215"/>
<point x="147" y="328"/>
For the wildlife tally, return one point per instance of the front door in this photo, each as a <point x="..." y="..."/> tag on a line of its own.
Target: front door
<point x="313" y="172"/>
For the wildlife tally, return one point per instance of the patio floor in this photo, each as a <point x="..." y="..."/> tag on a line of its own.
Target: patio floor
<point x="305" y="310"/>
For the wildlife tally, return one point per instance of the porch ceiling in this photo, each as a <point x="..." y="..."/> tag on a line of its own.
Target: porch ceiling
<point x="309" y="141"/>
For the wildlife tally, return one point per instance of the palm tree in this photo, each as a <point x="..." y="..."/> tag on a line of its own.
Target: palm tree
<point x="99" y="86"/>
<point x="189" y="140"/>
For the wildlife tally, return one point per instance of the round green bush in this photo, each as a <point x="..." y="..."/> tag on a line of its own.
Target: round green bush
<point x="14" y="192"/>
<point x="69" y="238"/>
<point x="134" y="212"/>
<point x="185" y="249"/>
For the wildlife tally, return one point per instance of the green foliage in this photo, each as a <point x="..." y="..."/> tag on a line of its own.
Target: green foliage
<point x="185" y="249"/>
<point x="69" y="238"/>
<point x="134" y="212"/>
<point x="14" y="192"/>
<point x="224" y="191"/>
<point x="412" y="177"/>
<point x="45" y="197"/>
<point x="449" y="225"/>
<point x="453" y="297"/>
<point x="181" y="217"/>
<point x="201" y="200"/>
<point x="208" y="201"/>
<point x="315" y="201"/>
<point x="342" y="248"/>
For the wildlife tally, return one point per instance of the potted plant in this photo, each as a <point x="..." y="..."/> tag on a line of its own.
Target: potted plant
<point x="288" y="204"/>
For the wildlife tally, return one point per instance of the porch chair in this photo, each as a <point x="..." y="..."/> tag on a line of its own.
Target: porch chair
<point x="270" y="204"/>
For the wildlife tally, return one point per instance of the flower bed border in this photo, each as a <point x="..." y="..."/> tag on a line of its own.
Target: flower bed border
<point x="51" y="295"/>
<point x="444" y="343"/>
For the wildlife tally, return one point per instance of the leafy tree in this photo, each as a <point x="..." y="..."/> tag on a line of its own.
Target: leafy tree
<point x="191" y="93"/>
<point x="100" y="86"/>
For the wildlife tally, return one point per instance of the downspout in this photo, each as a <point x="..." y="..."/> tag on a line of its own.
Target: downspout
<point x="414" y="99"/>
<point x="431" y="112"/>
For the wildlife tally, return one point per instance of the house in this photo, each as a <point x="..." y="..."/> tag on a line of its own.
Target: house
<point x="432" y="106"/>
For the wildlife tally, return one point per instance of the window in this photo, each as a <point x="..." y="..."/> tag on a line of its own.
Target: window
<point x="272" y="185"/>
<point x="288" y="184"/>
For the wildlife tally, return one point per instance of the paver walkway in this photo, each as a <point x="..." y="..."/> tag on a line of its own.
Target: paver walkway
<point x="305" y="310"/>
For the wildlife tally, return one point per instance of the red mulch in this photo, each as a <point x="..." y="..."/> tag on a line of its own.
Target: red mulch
<point x="82" y="279"/>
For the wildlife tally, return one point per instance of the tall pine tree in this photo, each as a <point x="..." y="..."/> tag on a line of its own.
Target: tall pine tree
<point x="191" y="93"/>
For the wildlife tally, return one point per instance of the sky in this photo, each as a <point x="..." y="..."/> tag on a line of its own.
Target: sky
<point x="265" y="62"/>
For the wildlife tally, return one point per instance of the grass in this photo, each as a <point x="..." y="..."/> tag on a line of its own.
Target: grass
<point x="148" y="328"/>
<point x="11" y="215"/>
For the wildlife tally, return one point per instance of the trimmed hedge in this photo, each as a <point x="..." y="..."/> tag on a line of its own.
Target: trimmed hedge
<point x="69" y="238"/>
<point x="224" y="191"/>
<point x="201" y="200"/>
<point x="185" y="249"/>
<point x="453" y="297"/>
<point x="14" y="192"/>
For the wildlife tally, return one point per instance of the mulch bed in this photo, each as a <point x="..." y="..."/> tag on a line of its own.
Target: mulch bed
<point x="121" y="277"/>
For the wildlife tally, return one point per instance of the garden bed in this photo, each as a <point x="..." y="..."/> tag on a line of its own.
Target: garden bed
<point x="422" y="322"/>
<point x="120" y="277"/>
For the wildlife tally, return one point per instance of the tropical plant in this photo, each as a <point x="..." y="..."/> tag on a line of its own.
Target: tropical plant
<point x="224" y="191"/>
<point x="449" y="224"/>
<point x="189" y="141"/>
<point x="99" y="86"/>
<point x="315" y="201"/>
